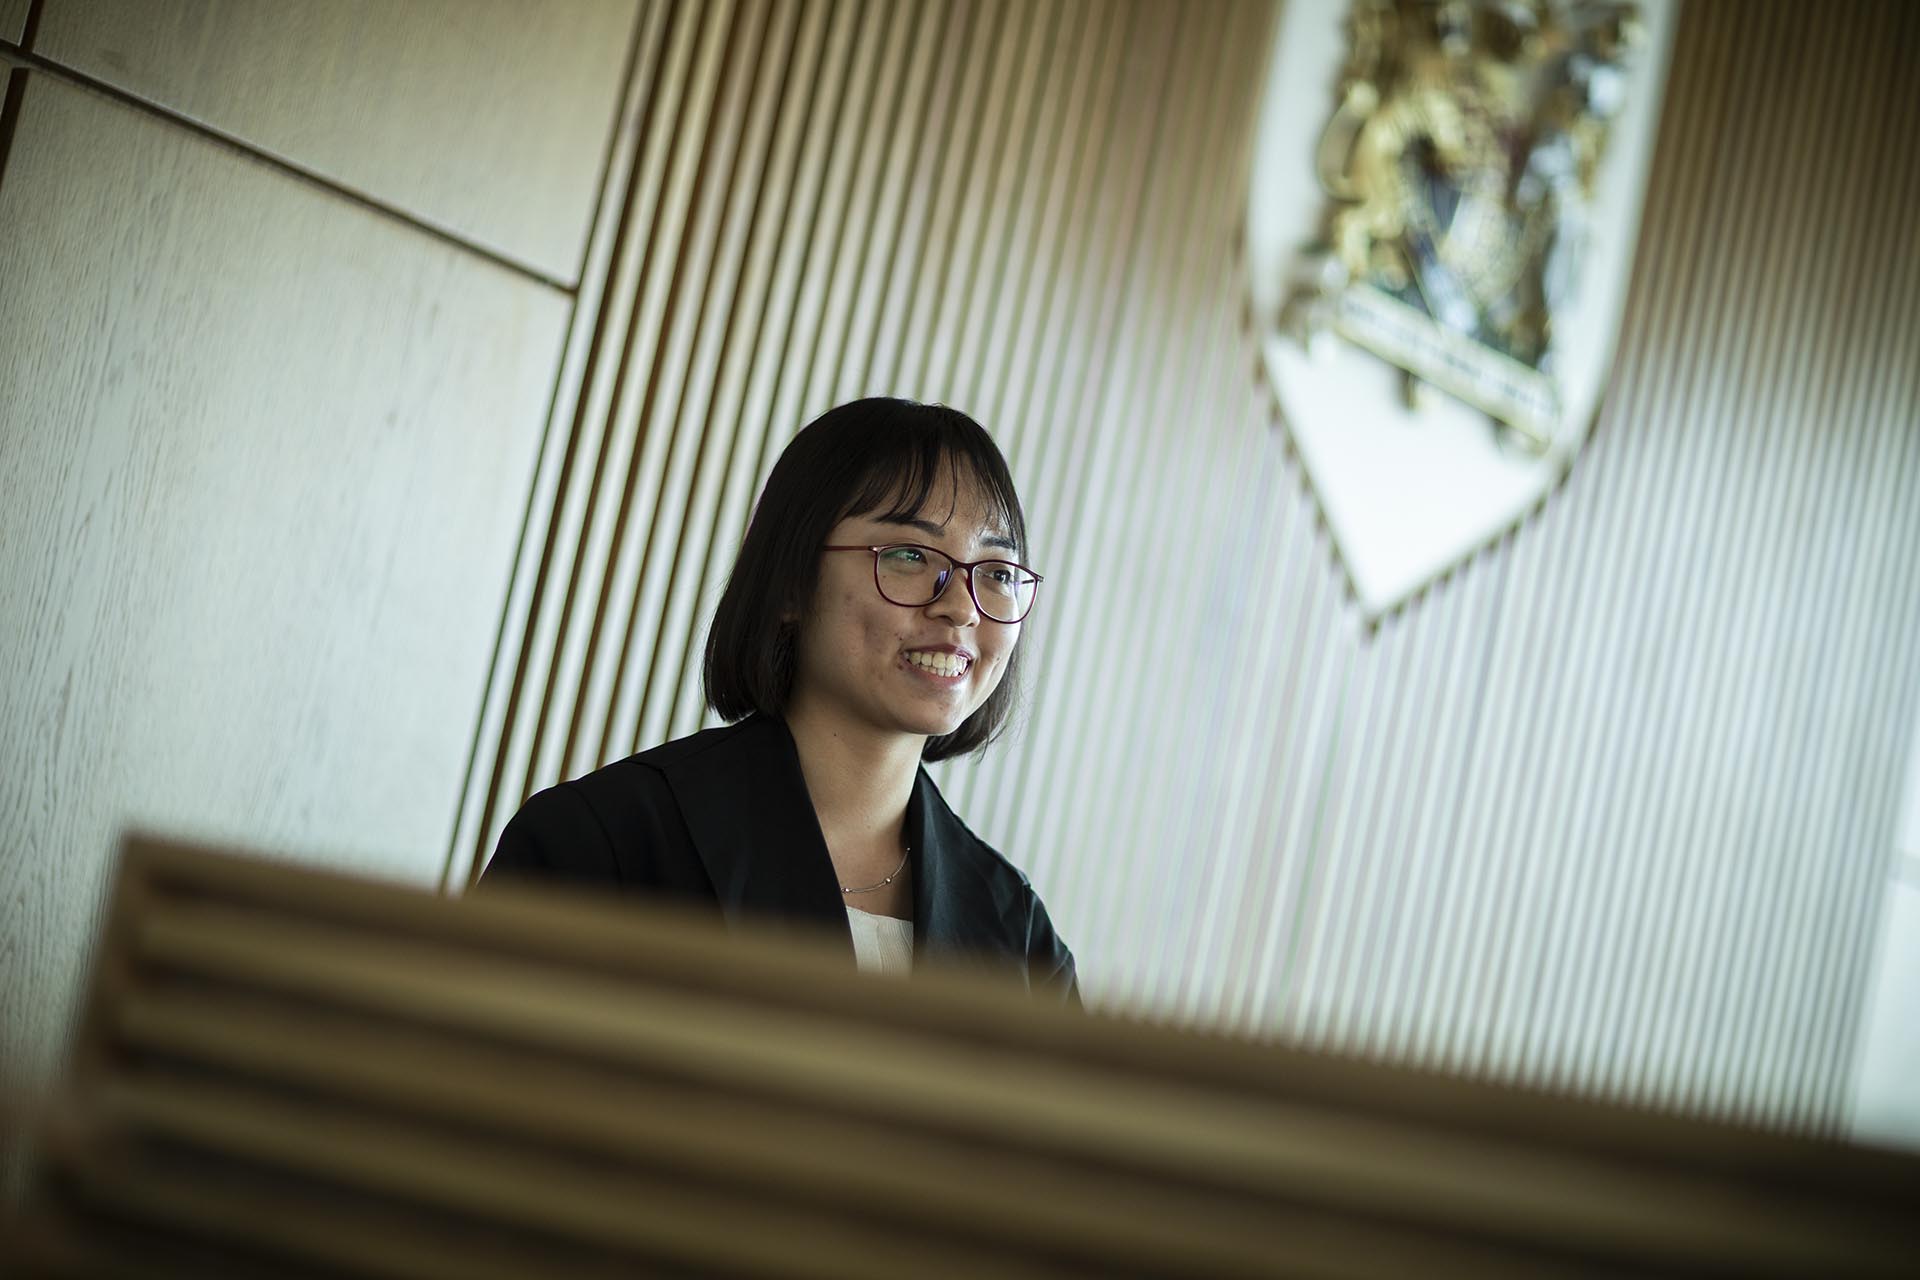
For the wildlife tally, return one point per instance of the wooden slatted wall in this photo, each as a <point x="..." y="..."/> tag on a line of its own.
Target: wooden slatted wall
<point x="1609" y="808"/>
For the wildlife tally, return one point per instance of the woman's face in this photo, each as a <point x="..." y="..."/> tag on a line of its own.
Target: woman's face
<point x="885" y="665"/>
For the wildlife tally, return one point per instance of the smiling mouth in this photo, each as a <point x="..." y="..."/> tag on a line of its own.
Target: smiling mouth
<point x="940" y="664"/>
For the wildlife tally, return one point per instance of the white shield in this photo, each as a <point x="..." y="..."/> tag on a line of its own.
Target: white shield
<point x="1410" y="492"/>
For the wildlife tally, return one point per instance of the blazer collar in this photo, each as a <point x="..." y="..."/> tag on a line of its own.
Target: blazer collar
<point x="746" y="806"/>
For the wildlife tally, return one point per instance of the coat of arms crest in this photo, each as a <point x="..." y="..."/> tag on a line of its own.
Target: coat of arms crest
<point x="1446" y="200"/>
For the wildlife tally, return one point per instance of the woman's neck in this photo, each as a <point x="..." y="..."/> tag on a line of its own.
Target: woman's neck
<point x="859" y="781"/>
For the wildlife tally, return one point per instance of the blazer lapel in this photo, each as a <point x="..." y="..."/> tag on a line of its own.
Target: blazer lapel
<point x="955" y="903"/>
<point x="767" y="859"/>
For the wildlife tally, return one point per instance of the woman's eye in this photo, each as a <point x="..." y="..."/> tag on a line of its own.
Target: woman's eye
<point x="1002" y="576"/>
<point x="904" y="556"/>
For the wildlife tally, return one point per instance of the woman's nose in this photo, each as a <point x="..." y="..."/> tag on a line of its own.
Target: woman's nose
<point x="955" y="601"/>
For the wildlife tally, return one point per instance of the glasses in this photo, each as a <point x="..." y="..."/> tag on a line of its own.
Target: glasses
<point x="914" y="576"/>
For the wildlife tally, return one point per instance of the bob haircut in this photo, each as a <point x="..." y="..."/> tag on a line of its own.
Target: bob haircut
<point x="876" y="457"/>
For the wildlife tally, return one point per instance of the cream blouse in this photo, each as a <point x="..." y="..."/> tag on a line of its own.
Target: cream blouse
<point x="881" y="944"/>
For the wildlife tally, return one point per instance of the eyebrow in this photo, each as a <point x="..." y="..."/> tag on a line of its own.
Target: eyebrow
<point x="929" y="527"/>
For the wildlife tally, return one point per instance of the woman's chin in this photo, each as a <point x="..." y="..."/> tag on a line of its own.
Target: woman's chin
<point x="934" y="716"/>
<point x="938" y="728"/>
<point x="936" y="722"/>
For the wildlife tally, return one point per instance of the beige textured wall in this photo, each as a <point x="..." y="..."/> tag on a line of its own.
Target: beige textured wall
<point x="1609" y="808"/>
<point x="267" y="434"/>
<point x="486" y="118"/>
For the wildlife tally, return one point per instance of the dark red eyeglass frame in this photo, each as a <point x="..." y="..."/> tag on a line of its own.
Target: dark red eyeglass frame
<point x="940" y="585"/>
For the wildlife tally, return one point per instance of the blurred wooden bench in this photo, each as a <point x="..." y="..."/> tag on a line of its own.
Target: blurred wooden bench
<point x="282" y="1072"/>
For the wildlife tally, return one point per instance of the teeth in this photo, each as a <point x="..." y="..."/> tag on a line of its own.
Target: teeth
<point x="941" y="664"/>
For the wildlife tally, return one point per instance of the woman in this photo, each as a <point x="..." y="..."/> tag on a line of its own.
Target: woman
<point x="871" y="623"/>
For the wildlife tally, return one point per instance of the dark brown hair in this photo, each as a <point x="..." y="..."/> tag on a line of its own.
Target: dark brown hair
<point x="876" y="456"/>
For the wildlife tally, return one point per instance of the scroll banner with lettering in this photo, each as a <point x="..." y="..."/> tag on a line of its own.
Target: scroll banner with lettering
<point x="1445" y="203"/>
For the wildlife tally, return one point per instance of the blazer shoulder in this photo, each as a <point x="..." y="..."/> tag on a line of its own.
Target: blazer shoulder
<point x="688" y="750"/>
<point x="641" y="777"/>
<point x="610" y="824"/>
<point x="634" y="799"/>
<point x="558" y="832"/>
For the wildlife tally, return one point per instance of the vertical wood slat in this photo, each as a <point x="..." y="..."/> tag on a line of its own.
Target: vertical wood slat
<point x="1127" y="533"/>
<point x="1082" y="437"/>
<point x="1044" y="433"/>
<point x="1670" y="553"/>
<point x="1770" y="923"/>
<point x="727" y="303"/>
<point x="1168" y="500"/>
<point x="1891" y="406"/>
<point x="1776" y="920"/>
<point x="654" y="500"/>
<point x="815" y="86"/>
<point x="1111" y="380"/>
<point x="1597" y="809"/>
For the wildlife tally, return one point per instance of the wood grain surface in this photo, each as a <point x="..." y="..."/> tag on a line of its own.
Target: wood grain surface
<point x="361" y="1078"/>
<point x="482" y="117"/>
<point x="266" y="458"/>
<point x="13" y="19"/>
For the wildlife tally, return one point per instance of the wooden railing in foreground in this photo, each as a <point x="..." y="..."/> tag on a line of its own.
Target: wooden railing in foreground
<point x="283" y="1072"/>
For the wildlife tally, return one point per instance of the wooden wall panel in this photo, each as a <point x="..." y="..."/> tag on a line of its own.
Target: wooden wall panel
<point x="13" y="19"/>
<point x="266" y="460"/>
<point x="1609" y="807"/>
<point x="486" y="118"/>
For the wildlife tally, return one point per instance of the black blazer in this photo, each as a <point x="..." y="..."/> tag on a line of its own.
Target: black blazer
<point x="722" y="818"/>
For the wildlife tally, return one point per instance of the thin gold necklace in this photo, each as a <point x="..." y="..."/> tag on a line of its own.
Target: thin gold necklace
<point x="884" y="883"/>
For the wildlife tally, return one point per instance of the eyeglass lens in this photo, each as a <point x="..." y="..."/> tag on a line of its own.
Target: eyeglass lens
<point x="915" y="576"/>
